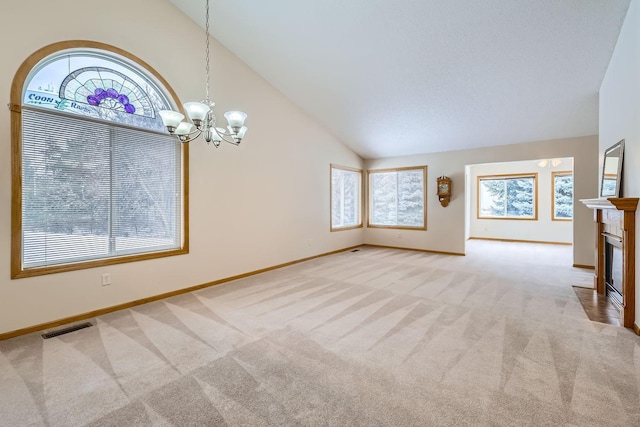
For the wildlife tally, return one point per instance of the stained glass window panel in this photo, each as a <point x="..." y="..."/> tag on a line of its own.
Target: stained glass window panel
<point x="99" y="86"/>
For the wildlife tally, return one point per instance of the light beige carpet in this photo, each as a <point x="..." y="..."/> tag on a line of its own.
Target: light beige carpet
<point x="373" y="337"/>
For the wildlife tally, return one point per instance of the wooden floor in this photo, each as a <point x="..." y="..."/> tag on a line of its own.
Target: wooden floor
<point x="597" y="307"/>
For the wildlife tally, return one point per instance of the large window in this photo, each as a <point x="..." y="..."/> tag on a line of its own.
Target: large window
<point x="562" y="196"/>
<point x="397" y="198"/>
<point x="346" y="199"/>
<point x="96" y="181"/>
<point x="508" y="196"/>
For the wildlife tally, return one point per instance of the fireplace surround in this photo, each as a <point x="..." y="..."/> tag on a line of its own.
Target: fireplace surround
<point x="615" y="253"/>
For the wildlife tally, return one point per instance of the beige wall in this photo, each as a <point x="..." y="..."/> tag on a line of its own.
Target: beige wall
<point x="620" y="112"/>
<point x="446" y="226"/>
<point x="255" y="206"/>
<point x="543" y="229"/>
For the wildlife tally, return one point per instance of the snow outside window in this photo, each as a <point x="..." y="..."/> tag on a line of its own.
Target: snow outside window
<point x="397" y="198"/>
<point x="346" y="199"/>
<point x="507" y="196"/>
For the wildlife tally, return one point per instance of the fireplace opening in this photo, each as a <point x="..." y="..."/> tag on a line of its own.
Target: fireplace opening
<point x="613" y="270"/>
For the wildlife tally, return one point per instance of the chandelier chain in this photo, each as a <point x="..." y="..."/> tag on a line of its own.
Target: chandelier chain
<point x="206" y="31"/>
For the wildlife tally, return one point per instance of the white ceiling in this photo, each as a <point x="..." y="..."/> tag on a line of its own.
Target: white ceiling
<point x="401" y="77"/>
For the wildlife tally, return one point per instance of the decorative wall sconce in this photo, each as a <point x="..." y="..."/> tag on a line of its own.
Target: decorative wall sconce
<point x="444" y="190"/>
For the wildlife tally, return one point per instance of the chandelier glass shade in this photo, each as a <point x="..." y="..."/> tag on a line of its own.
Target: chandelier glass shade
<point x="202" y="120"/>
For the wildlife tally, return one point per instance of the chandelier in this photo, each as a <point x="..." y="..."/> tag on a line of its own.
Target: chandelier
<point x="203" y="121"/>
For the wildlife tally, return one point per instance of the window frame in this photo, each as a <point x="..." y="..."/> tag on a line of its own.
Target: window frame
<point x="17" y="89"/>
<point x="360" y="191"/>
<point x="533" y="175"/>
<point x="424" y="198"/>
<point x="553" y="194"/>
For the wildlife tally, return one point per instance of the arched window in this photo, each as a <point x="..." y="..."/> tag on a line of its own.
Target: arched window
<point x="96" y="179"/>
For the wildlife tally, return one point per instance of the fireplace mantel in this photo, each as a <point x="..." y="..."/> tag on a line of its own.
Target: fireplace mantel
<point x="619" y="203"/>
<point x="617" y="217"/>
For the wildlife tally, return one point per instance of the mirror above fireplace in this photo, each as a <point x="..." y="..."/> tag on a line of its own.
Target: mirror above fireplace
<point x="611" y="182"/>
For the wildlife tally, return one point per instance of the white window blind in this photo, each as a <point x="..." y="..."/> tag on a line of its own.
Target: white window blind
<point x="94" y="190"/>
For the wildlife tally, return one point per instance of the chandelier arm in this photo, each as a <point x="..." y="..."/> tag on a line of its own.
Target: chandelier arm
<point x="225" y="135"/>
<point x="224" y="138"/>
<point x="194" y="132"/>
<point x="211" y="122"/>
<point x="187" y="137"/>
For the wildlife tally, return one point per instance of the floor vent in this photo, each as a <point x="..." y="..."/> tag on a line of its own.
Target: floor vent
<point x="355" y="250"/>
<point x="66" y="330"/>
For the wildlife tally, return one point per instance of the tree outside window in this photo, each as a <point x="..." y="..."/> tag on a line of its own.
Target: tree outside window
<point x="397" y="197"/>
<point x="507" y="196"/>
<point x="562" y="196"/>
<point x="346" y="200"/>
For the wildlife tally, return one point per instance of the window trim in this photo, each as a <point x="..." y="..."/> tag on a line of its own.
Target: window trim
<point x="424" y="198"/>
<point x="553" y="194"/>
<point x="533" y="175"/>
<point x="360" y="222"/>
<point x="17" y="87"/>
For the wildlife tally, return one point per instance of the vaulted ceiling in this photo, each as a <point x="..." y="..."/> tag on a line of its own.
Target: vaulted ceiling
<point x="401" y="77"/>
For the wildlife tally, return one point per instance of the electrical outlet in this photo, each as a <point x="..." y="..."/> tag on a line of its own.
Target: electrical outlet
<point x="106" y="279"/>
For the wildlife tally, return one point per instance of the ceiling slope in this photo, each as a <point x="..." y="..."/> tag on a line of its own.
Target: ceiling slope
<point x="402" y="77"/>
